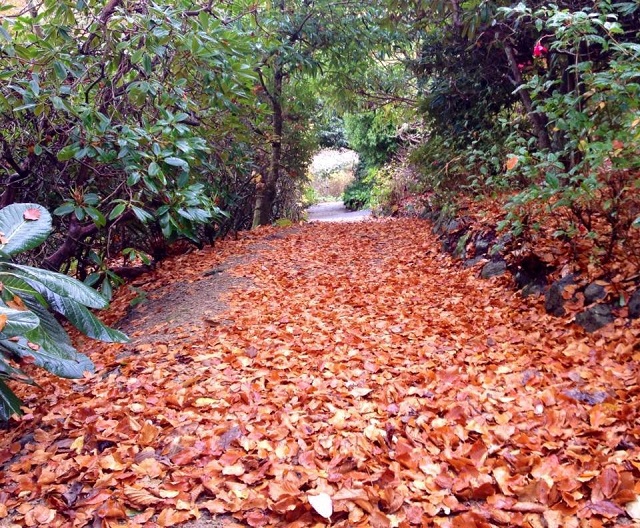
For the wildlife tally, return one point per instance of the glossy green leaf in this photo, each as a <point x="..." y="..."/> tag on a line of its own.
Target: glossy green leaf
<point x="62" y="285"/>
<point x="19" y="233"/>
<point x="18" y="322"/>
<point x="9" y="402"/>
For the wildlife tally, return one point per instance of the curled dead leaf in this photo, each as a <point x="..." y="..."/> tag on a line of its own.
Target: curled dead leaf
<point x="39" y="515"/>
<point x="111" y="509"/>
<point x="31" y="214"/>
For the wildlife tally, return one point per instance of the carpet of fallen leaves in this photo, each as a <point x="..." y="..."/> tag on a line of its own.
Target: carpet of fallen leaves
<point x="362" y="364"/>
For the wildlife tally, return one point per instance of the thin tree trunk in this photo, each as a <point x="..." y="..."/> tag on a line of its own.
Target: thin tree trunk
<point x="267" y="195"/>
<point x="538" y="120"/>
<point x="76" y="234"/>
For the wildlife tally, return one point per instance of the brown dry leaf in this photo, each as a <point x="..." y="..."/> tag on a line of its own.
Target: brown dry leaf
<point x="111" y="509"/>
<point x="140" y="497"/>
<point x="39" y="515"/>
<point x="171" y="517"/>
<point x="148" y="434"/>
<point x="377" y="519"/>
<point x="31" y="214"/>
<point x="149" y="467"/>
<point x="361" y="363"/>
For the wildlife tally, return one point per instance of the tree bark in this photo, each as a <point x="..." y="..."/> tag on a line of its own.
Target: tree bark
<point x="9" y="195"/>
<point x="103" y="18"/>
<point x="266" y="196"/>
<point x="538" y="120"/>
<point x="76" y="234"/>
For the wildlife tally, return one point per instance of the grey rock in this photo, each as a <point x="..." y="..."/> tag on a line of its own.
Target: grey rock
<point x="594" y="292"/>
<point x="534" y="288"/>
<point x="590" y="398"/>
<point x="595" y="317"/>
<point x="469" y="263"/>
<point x="634" y="305"/>
<point x="553" y="300"/>
<point x="483" y="243"/>
<point x="494" y="268"/>
<point x="452" y="226"/>
<point x="501" y="244"/>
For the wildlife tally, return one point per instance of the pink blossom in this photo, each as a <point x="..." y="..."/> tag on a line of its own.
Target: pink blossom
<point x="539" y="50"/>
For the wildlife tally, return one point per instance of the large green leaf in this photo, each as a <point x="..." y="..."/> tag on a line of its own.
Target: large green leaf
<point x="18" y="322"/>
<point x="9" y="402"/>
<point x="48" y="324"/>
<point x="23" y="226"/>
<point x="60" y="359"/>
<point x="81" y="318"/>
<point x="62" y="285"/>
<point x="86" y="322"/>
<point x="9" y="372"/>
<point x="13" y="285"/>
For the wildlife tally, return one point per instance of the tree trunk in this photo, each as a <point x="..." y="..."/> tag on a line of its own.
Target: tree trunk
<point x="538" y="120"/>
<point x="76" y="234"/>
<point x="267" y="195"/>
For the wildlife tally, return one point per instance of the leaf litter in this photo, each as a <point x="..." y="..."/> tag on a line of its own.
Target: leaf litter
<point x="360" y="375"/>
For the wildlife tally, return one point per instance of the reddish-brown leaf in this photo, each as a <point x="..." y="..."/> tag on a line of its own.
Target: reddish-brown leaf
<point x="31" y="214"/>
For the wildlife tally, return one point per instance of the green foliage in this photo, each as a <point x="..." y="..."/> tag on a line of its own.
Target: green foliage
<point x="331" y="132"/>
<point x="536" y="98"/>
<point x="462" y="87"/>
<point x="372" y="135"/>
<point x="357" y="195"/>
<point x="28" y="331"/>
<point x="124" y="124"/>
<point x="591" y="101"/>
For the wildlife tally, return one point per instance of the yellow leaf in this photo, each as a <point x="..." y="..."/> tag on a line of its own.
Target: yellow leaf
<point x="77" y="445"/>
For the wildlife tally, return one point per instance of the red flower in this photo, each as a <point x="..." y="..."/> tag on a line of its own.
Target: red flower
<point x="539" y="50"/>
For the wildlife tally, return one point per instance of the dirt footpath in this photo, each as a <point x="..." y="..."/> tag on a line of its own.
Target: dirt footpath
<point x="336" y="212"/>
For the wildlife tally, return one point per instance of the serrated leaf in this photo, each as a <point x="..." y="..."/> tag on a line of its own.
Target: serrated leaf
<point x="80" y="317"/>
<point x="14" y="374"/>
<point x="12" y="285"/>
<point x="21" y="234"/>
<point x="88" y="323"/>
